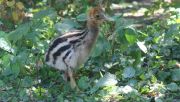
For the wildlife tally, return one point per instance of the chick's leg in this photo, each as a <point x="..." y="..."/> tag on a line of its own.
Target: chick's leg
<point x="72" y="80"/>
<point x="65" y="76"/>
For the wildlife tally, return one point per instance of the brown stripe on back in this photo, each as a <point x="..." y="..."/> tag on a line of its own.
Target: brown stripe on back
<point x="59" y="40"/>
<point x="74" y="35"/>
<point x="54" y="44"/>
<point x="64" y="38"/>
<point x="66" y="55"/>
<point x="80" y="38"/>
<point x="59" y="51"/>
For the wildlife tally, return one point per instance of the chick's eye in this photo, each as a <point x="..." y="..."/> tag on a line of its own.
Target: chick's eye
<point x="97" y="16"/>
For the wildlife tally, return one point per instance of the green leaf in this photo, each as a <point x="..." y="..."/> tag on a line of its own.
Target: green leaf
<point x="14" y="99"/>
<point x="66" y="25"/>
<point x="1" y="21"/>
<point x="136" y="54"/>
<point x="162" y="75"/>
<point x="176" y="75"/>
<point x="27" y="81"/>
<point x="142" y="77"/>
<point x="78" y="99"/>
<point x="83" y="83"/>
<point x="142" y="46"/>
<point x="7" y="71"/>
<point x="122" y="23"/>
<point x="101" y="46"/>
<point x="40" y="92"/>
<point x="121" y="36"/>
<point x="127" y="89"/>
<point x="173" y="29"/>
<point x="132" y="82"/>
<point x="158" y="100"/>
<point x="19" y="32"/>
<point x="11" y="71"/>
<point x="15" y="69"/>
<point x="21" y="58"/>
<point x="153" y="79"/>
<point x="107" y="80"/>
<point x="23" y="95"/>
<point x="172" y="86"/>
<point x="4" y="44"/>
<point x="60" y="98"/>
<point x="131" y="35"/>
<point x="129" y="72"/>
<point x="1" y="83"/>
<point x="82" y="17"/>
<point x="172" y="63"/>
<point x="145" y="89"/>
<point x="49" y="12"/>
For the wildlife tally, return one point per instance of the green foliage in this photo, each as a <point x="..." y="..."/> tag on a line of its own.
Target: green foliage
<point x="4" y="43"/>
<point x="83" y="83"/>
<point x="127" y="64"/>
<point x="17" y="34"/>
<point x="176" y="75"/>
<point x="128" y="72"/>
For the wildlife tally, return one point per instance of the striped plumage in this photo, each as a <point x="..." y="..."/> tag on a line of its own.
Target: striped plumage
<point x="70" y="50"/>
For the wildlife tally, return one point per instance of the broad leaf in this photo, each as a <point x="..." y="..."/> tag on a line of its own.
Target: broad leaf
<point x="128" y="72"/>
<point x="122" y="23"/>
<point x="49" y="12"/>
<point x="66" y="25"/>
<point x="153" y="79"/>
<point x="27" y="81"/>
<point x="172" y="87"/>
<point x="1" y="83"/>
<point x="121" y="36"/>
<point x="101" y="46"/>
<point x="60" y="98"/>
<point x="15" y="69"/>
<point x="142" y="46"/>
<point x="19" y="32"/>
<point x="131" y="35"/>
<point x="162" y="75"/>
<point x="107" y="80"/>
<point x="173" y="29"/>
<point x="176" y="75"/>
<point x="23" y="95"/>
<point x="83" y="82"/>
<point x="82" y="17"/>
<point x="136" y="54"/>
<point x="4" y="44"/>
<point x="126" y="89"/>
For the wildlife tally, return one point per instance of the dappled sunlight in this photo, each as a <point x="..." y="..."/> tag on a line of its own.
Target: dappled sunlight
<point x="136" y="57"/>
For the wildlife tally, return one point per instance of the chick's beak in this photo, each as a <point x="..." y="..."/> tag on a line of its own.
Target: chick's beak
<point x="107" y="18"/>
